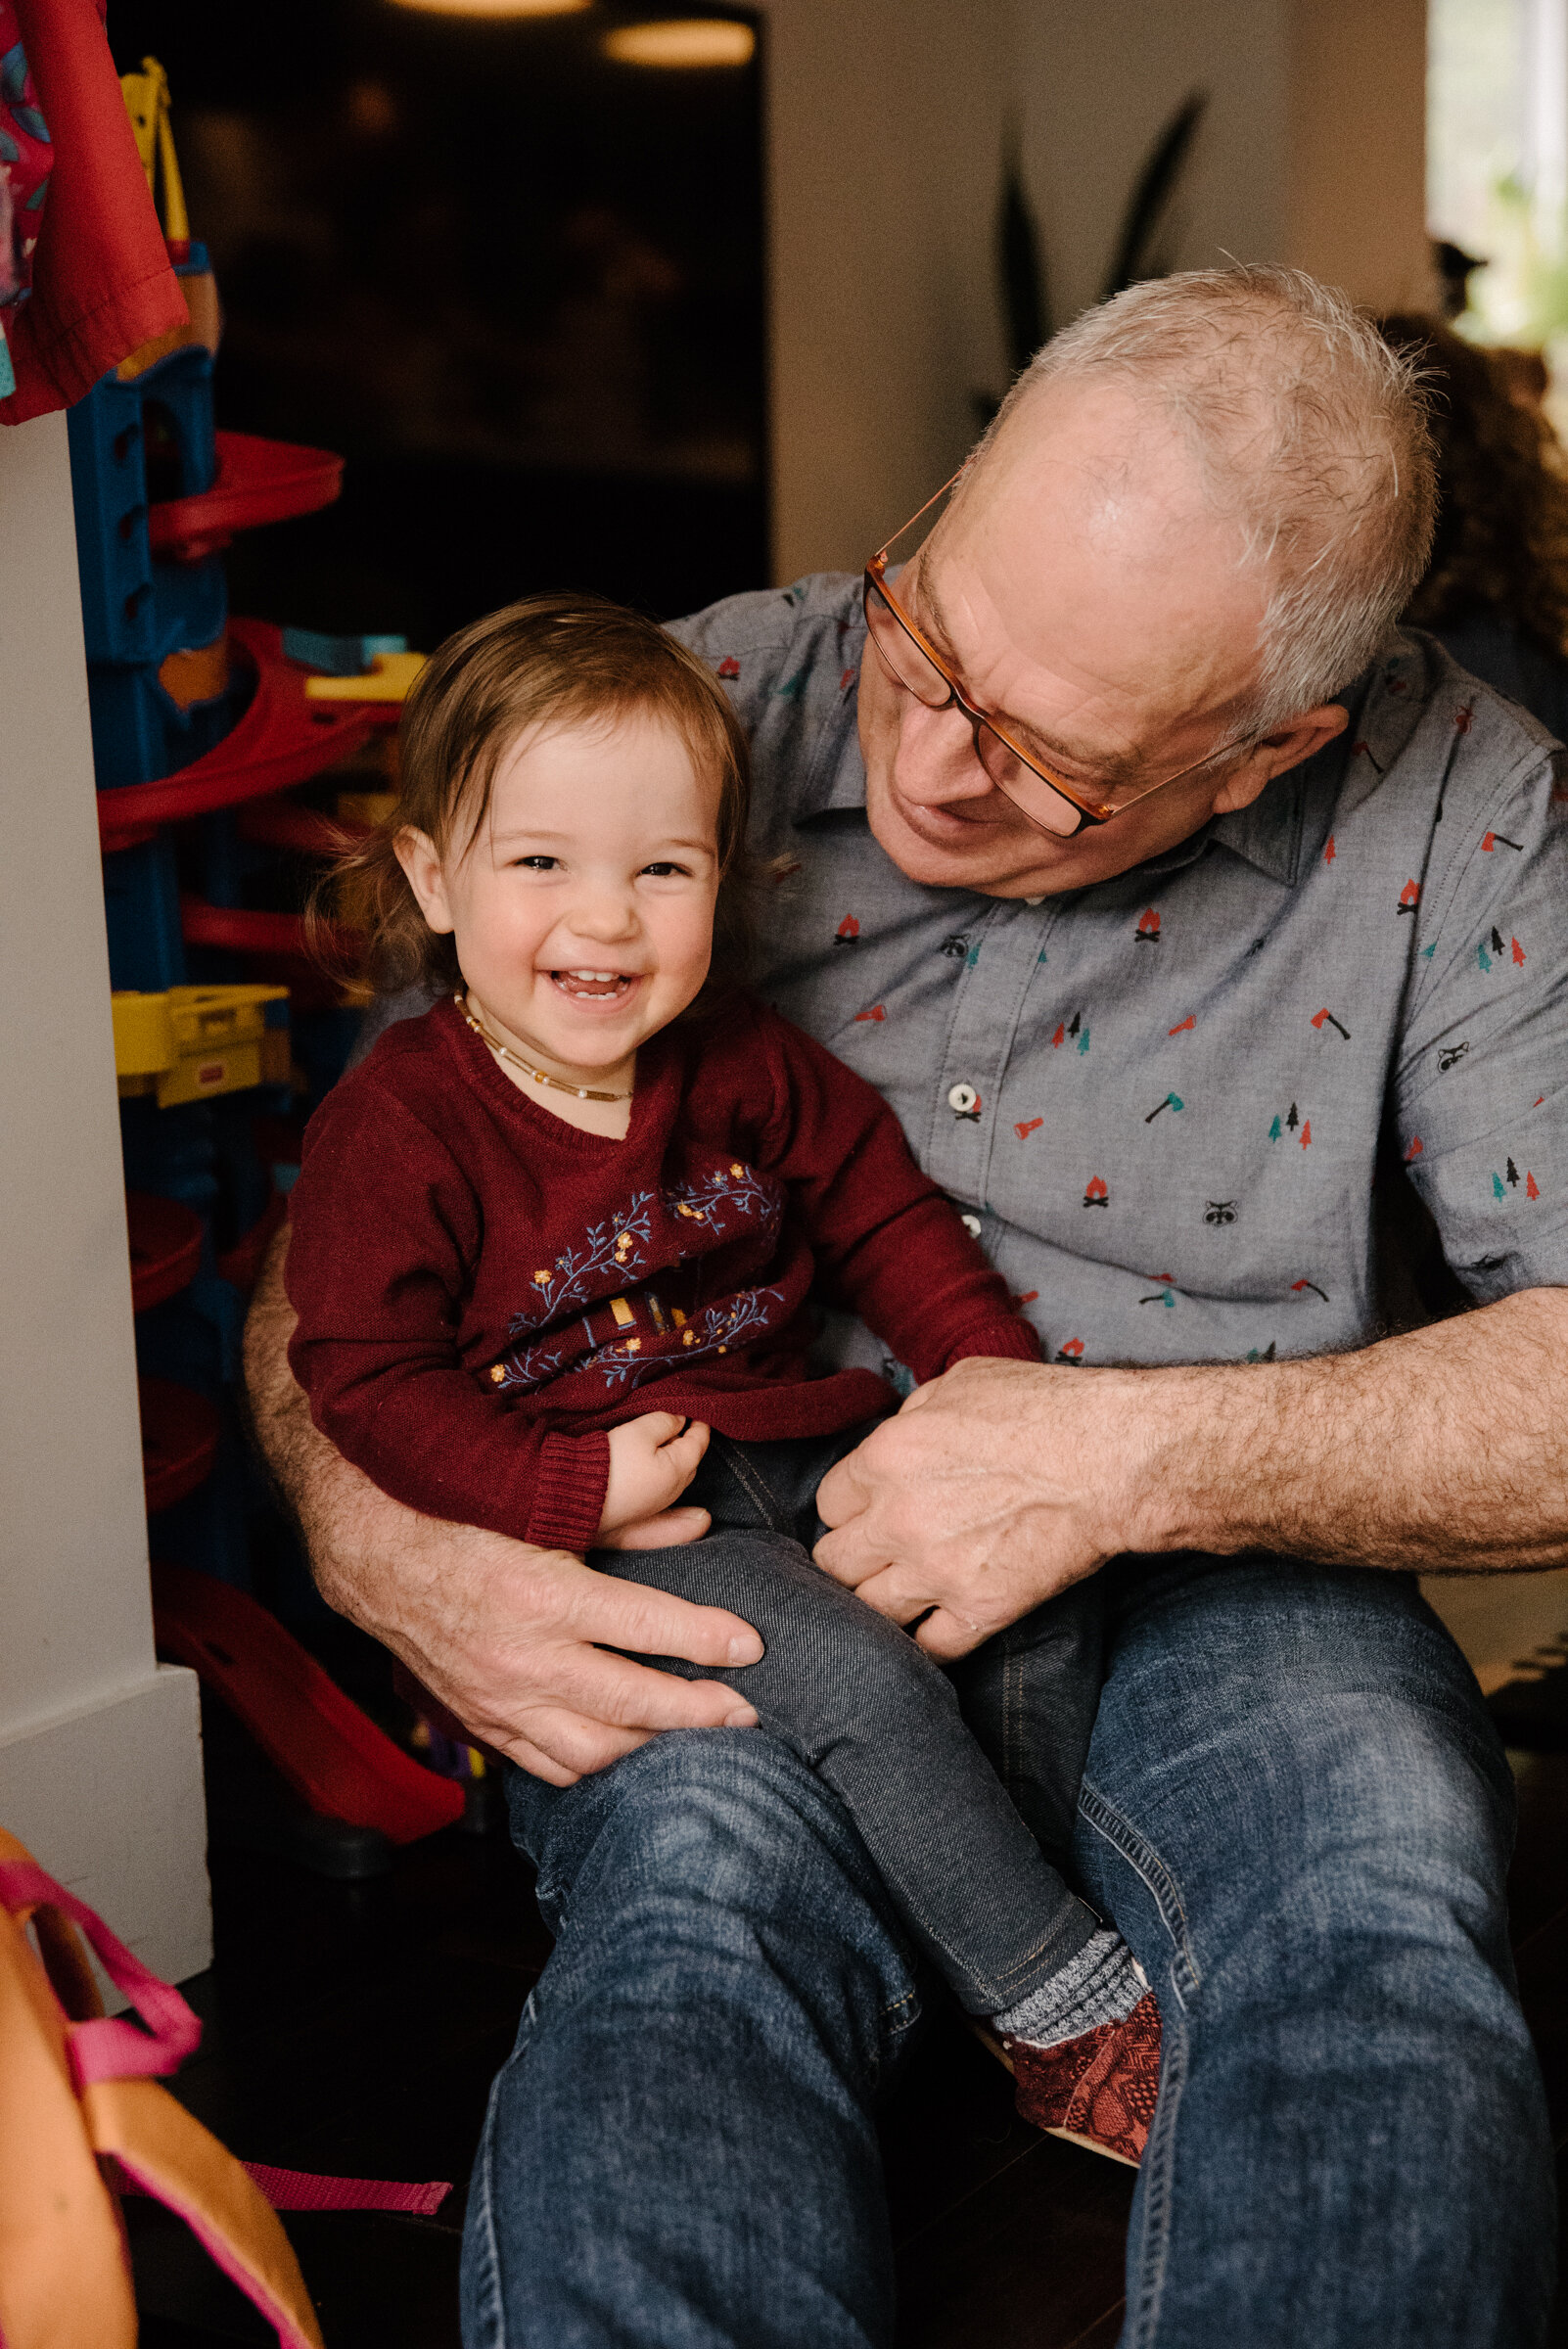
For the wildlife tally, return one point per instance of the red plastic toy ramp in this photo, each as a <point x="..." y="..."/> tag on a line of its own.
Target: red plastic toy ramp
<point x="281" y="740"/>
<point x="179" y="1441"/>
<point x="336" y="1760"/>
<point x="165" y="1247"/>
<point x="257" y="481"/>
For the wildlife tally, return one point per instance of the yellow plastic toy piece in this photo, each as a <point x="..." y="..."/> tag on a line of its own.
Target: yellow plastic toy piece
<point x="192" y="1043"/>
<point x="365" y="806"/>
<point x="390" y="677"/>
<point x="146" y="96"/>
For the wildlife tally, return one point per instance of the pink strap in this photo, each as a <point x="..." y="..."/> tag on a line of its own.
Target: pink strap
<point x="301" y="2190"/>
<point x="110" y="2049"/>
<point x="113" y="2049"/>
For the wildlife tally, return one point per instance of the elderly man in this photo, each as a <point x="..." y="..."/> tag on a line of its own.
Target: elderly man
<point x="1161" y="888"/>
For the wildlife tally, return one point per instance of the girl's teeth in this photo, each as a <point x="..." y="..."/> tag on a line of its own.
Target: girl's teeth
<point x="601" y="981"/>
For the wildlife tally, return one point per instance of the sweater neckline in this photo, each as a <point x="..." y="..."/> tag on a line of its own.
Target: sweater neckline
<point x="656" y="1063"/>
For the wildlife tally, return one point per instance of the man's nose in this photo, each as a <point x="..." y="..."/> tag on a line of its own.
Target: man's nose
<point x="937" y="762"/>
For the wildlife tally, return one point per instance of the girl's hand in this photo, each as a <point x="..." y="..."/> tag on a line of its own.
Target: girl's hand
<point x="652" y="1461"/>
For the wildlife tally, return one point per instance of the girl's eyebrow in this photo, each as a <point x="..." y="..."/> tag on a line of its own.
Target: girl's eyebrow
<point x="528" y="832"/>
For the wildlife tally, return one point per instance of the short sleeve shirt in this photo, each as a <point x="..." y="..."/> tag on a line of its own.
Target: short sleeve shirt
<point x="1159" y="1100"/>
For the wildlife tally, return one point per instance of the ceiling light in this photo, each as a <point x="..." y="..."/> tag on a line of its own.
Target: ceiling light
<point x="683" y="41"/>
<point x="496" y="8"/>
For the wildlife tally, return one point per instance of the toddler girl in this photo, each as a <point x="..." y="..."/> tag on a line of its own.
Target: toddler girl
<point x="552" y="1251"/>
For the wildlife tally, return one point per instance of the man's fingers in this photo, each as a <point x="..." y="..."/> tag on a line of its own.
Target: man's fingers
<point x="562" y="1746"/>
<point x="944" y="1636"/>
<point x="887" y="1589"/>
<point x="654" y="1623"/>
<point x="669" y="1529"/>
<point x="629" y="1696"/>
<point x="919" y="1395"/>
<point x="848" y="1553"/>
<point x="536" y="1761"/>
<point x="843" y="1492"/>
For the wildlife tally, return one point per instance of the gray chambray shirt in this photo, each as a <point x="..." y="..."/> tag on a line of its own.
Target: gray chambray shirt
<point x="1159" y="1099"/>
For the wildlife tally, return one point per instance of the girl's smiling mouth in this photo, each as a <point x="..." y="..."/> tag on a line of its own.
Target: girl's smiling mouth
<point x="596" y="986"/>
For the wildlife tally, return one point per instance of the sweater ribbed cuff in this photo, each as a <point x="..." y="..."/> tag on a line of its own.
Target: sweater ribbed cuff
<point x="1012" y="1338"/>
<point x="569" y="1492"/>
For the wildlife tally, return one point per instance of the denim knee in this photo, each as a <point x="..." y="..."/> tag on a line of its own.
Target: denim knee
<point x="696" y="1856"/>
<point x="681" y="2148"/>
<point x="1392" y="1834"/>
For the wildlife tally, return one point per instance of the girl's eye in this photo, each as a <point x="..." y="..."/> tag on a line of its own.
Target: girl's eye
<point x="538" y="864"/>
<point x="663" y="869"/>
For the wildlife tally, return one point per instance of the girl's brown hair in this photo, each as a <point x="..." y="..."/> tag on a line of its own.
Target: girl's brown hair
<point x="550" y="660"/>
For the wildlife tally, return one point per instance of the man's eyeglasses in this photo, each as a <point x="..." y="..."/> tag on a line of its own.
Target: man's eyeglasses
<point x="1063" y="809"/>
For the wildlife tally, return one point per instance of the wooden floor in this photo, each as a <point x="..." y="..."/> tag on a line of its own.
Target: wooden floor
<point x="355" y="2029"/>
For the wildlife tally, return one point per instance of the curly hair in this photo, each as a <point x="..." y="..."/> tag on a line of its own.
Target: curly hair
<point x="1502" y="540"/>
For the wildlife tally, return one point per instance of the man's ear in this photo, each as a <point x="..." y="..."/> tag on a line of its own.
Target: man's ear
<point x="416" y="854"/>
<point x="1278" y="753"/>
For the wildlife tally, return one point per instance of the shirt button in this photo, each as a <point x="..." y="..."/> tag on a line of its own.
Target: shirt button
<point x="962" y="1098"/>
<point x="971" y="1224"/>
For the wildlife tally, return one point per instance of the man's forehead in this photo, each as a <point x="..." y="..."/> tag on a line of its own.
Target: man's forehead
<point x="1102" y="466"/>
<point x="1080" y="569"/>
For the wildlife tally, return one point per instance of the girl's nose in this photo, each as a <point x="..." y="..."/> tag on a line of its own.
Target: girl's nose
<point x="605" y="914"/>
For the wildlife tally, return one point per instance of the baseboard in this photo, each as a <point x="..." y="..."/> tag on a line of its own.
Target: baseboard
<point x="109" y="1799"/>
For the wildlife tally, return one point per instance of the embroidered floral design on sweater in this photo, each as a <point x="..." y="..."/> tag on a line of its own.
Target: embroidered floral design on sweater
<point x="607" y="1258"/>
<point x="531" y="1368"/>
<point x="734" y="1189"/>
<point x="731" y="1320"/>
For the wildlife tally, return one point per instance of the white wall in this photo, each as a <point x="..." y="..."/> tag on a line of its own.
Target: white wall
<point x="1097" y="86"/>
<point x="887" y="125"/>
<point x="883" y="148"/>
<point x="100" y="1755"/>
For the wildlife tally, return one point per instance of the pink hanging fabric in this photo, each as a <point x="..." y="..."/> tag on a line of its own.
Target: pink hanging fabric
<point x="101" y="283"/>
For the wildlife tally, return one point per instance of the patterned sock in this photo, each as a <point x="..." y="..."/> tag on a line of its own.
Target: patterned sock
<point x="1102" y="1983"/>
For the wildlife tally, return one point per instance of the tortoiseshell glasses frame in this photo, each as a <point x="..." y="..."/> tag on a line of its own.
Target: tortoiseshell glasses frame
<point x="907" y="652"/>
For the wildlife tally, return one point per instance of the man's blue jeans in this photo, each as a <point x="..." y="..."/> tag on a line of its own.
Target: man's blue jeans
<point x="1297" y="1812"/>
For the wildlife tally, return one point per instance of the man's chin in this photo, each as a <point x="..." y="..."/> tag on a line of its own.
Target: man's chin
<point x="946" y="851"/>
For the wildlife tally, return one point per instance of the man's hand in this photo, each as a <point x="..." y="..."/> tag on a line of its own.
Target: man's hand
<point x="985" y="1494"/>
<point x="513" y="1639"/>
<point x="652" y="1461"/>
<point x="1443" y="1450"/>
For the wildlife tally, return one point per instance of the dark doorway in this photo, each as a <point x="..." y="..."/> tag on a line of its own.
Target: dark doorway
<point x="516" y="282"/>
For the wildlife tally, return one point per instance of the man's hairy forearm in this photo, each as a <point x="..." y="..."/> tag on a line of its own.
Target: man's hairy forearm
<point x="334" y="1505"/>
<point x="372" y="1559"/>
<point x="1440" y="1451"/>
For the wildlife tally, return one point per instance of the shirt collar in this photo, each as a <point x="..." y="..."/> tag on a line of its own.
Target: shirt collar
<point x="835" y="779"/>
<point x="1268" y="834"/>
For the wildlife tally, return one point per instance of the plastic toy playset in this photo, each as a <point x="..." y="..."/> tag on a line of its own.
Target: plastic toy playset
<point x="231" y="756"/>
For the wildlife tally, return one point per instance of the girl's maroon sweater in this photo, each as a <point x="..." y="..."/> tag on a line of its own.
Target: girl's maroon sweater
<point x="484" y="1290"/>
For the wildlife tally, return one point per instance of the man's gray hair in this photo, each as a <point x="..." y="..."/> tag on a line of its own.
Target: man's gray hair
<point x="1311" y="433"/>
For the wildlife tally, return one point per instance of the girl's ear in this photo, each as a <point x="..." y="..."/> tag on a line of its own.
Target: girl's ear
<point x="416" y="854"/>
